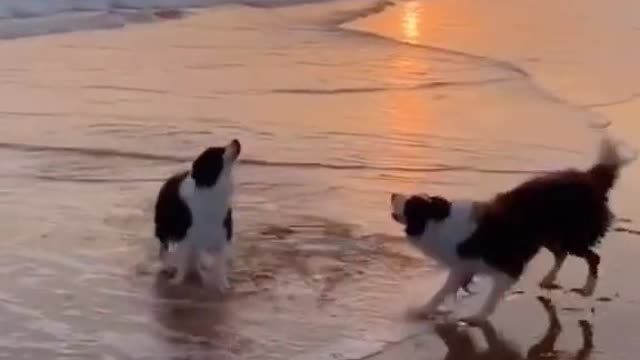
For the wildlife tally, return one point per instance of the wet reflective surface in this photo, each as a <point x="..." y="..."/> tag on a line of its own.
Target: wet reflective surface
<point x="332" y="120"/>
<point x="461" y="344"/>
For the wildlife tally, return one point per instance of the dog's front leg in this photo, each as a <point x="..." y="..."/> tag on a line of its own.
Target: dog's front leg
<point x="501" y="283"/>
<point x="454" y="281"/>
<point x="182" y="256"/>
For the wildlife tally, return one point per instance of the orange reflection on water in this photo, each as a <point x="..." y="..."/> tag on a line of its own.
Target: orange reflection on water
<point x="409" y="109"/>
<point x="411" y="22"/>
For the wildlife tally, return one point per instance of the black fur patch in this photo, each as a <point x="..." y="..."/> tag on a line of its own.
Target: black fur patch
<point x="172" y="216"/>
<point x="208" y="166"/>
<point x="228" y="224"/>
<point x="418" y="211"/>
<point x="566" y="212"/>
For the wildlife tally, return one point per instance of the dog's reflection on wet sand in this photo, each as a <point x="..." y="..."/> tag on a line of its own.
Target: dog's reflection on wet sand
<point x="461" y="346"/>
<point x="189" y="313"/>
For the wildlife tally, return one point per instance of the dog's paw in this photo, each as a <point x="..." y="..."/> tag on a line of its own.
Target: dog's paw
<point x="475" y="320"/>
<point x="467" y="291"/>
<point x="447" y="329"/>
<point x="223" y="287"/>
<point x="168" y="272"/>
<point x="467" y="284"/>
<point x="178" y="278"/>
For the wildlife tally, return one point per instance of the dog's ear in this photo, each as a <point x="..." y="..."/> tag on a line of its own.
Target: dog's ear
<point x="441" y="207"/>
<point x="207" y="167"/>
<point x="416" y="214"/>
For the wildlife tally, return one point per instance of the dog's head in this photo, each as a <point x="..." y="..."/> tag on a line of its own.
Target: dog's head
<point x="215" y="163"/>
<point x="416" y="211"/>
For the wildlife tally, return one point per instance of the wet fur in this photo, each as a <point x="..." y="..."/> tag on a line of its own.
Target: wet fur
<point x="193" y="216"/>
<point x="566" y="212"/>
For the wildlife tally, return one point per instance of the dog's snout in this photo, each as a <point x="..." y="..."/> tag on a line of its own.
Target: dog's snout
<point x="235" y="143"/>
<point x="235" y="148"/>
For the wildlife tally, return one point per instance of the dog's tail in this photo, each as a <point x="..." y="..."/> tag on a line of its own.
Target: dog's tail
<point x="607" y="168"/>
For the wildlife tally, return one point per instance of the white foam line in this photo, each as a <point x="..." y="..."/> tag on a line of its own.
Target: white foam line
<point x="15" y="9"/>
<point x="63" y="22"/>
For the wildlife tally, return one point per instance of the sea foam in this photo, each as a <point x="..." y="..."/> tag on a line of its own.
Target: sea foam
<point x="20" y="18"/>
<point x="12" y="9"/>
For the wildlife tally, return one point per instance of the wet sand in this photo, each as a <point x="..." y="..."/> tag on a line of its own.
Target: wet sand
<point x="562" y="55"/>
<point x="94" y="121"/>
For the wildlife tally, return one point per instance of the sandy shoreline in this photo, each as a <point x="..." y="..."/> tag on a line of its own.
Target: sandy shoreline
<point x="333" y="120"/>
<point x="566" y="326"/>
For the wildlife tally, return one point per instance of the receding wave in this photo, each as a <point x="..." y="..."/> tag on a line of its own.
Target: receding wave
<point x="23" y="18"/>
<point x="356" y="90"/>
<point x="96" y="152"/>
<point x="102" y="152"/>
<point x="502" y="64"/>
<point x="614" y="102"/>
<point x="125" y="88"/>
<point x="318" y="165"/>
<point x="626" y="230"/>
<point x="97" y="180"/>
<point x="406" y="169"/>
<point x="513" y="68"/>
<point x="348" y="15"/>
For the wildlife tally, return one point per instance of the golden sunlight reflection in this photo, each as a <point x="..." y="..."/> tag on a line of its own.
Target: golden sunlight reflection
<point x="409" y="111"/>
<point x="411" y="22"/>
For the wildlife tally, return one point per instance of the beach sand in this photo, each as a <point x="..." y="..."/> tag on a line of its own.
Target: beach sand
<point x="337" y="104"/>
<point x="568" y="51"/>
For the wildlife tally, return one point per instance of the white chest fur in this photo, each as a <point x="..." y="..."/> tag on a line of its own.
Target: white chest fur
<point x="441" y="238"/>
<point x="209" y="206"/>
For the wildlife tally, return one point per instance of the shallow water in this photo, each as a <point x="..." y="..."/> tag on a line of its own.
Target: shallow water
<point x="332" y="119"/>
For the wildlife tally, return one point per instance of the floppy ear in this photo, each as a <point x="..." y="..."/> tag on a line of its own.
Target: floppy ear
<point x="207" y="167"/>
<point x="416" y="212"/>
<point x="441" y="207"/>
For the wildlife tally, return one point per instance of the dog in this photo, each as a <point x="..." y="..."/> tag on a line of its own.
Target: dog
<point x="193" y="216"/>
<point x="565" y="212"/>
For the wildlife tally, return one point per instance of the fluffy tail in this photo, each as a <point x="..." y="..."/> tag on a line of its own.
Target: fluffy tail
<point x="605" y="171"/>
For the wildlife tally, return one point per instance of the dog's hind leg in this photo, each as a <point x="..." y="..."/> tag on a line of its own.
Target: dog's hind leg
<point x="220" y="269"/>
<point x="549" y="280"/>
<point x="213" y="270"/>
<point x="593" y="262"/>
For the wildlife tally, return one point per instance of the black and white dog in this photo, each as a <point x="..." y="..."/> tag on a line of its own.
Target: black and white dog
<point x="193" y="216"/>
<point x="565" y="212"/>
